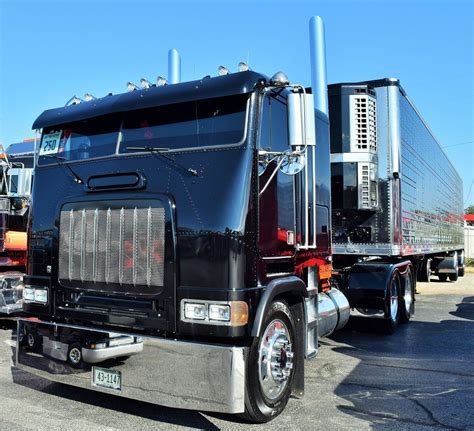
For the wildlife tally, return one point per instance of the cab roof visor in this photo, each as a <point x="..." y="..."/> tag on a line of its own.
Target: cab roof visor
<point x="237" y="83"/>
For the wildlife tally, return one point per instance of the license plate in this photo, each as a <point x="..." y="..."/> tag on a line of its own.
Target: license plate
<point x="104" y="378"/>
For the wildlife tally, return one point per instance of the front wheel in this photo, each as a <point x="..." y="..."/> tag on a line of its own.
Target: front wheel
<point x="270" y="366"/>
<point x="33" y="341"/>
<point x="74" y="355"/>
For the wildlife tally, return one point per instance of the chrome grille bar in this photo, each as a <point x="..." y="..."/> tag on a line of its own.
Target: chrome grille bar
<point x="122" y="246"/>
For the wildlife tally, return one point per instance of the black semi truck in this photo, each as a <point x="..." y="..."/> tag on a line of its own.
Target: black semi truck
<point x="180" y="244"/>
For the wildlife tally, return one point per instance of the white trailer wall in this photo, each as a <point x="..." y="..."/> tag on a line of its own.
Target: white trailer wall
<point x="469" y="241"/>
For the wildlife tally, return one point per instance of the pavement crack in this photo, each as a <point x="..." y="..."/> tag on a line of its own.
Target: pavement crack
<point x="421" y="369"/>
<point x="389" y="417"/>
<point x="428" y="412"/>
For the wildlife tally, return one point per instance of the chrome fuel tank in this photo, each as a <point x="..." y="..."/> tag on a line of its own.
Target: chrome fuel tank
<point x="333" y="312"/>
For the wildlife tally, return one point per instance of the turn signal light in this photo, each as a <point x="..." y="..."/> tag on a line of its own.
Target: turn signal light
<point x="240" y="313"/>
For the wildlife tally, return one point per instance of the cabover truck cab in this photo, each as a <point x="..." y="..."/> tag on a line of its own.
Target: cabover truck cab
<point x="194" y="221"/>
<point x="197" y="217"/>
<point x="395" y="195"/>
<point x="16" y="172"/>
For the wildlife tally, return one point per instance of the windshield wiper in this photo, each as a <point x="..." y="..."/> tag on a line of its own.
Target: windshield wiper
<point x="77" y="179"/>
<point x="160" y="151"/>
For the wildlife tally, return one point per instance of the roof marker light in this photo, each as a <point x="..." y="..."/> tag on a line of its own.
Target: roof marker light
<point x="88" y="97"/>
<point x="131" y="86"/>
<point x="222" y="70"/>
<point x="160" y="81"/>
<point x="243" y="66"/>
<point x="279" y="80"/>
<point x="74" y="100"/>
<point x="144" y="83"/>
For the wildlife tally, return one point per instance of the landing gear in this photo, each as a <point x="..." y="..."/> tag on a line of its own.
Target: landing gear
<point x="271" y="365"/>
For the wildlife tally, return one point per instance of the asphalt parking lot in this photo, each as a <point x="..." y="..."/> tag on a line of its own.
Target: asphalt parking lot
<point x="421" y="378"/>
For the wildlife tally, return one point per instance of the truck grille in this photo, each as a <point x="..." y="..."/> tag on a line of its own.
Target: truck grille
<point x="122" y="246"/>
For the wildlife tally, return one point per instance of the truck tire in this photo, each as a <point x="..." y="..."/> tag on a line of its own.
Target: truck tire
<point x="443" y="277"/>
<point x="454" y="277"/>
<point x="407" y="301"/>
<point x="33" y="341"/>
<point x="270" y="366"/>
<point x="74" y="355"/>
<point x="424" y="273"/>
<point x="461" y="263"/>
<point x="392" y="309"/>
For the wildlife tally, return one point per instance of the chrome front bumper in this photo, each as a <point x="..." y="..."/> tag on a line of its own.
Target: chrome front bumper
<point x="11" y="308"/>
<point x="11" y="293"/>
<point x="94" y="356"/>
<point x="167" y="372"/>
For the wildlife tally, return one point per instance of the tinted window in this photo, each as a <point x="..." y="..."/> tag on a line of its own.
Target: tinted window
<point x="201" y="123"/>
<point x="95" y="137"/>
<point x="274" y="132"/>
<point x="13" y="183"/>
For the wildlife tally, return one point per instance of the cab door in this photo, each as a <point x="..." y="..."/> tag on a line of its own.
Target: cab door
<point x="276" y="189"/>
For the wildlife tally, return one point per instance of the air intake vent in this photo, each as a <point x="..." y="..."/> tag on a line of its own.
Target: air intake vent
<point x="123" y="246"/>
<point x="363" y="123"/>
<point x="367" y="186"/>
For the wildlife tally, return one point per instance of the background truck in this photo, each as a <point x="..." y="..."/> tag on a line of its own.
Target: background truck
<point x="196" y="216"/>
<point x="395" y="194"/>
<point x="16" y="166"/>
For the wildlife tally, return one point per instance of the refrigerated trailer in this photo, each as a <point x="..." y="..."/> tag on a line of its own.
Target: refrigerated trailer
<point x="395" y="194"/>
<point x="192" y="221"/>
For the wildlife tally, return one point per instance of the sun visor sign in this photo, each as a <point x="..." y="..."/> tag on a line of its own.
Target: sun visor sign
<point x="50" y="143"/>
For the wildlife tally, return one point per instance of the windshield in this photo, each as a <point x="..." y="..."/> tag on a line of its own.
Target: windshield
<point x="195" y="124"/>
<point x="94" y="137"/>
<point x="200" y="123"/>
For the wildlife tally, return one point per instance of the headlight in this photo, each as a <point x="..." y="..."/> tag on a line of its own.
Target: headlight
<point x="219" y="312"/>
<point x="41" y="295"/>
<point x="228" y="313"/>
<point x="29" y="294"/>
<point x="195" y="311"/>
<point x="35" y="294"/>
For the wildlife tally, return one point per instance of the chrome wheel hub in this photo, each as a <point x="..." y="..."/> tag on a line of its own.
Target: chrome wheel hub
<point x="393" y="302"/>
<point x="75" y="355"/>
<point x="275" y="359"/>
<point x="31" y="340"/>
<point x="407" y="297"/>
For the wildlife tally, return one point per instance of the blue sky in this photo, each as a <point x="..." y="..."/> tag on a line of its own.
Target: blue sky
<point x="51" y="50"/>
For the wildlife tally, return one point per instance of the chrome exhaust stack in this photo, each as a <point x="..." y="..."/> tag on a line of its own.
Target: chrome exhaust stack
<point x="329" y="311"/>
<point x="318" y="63"/>
<point x="174" y="67"/>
